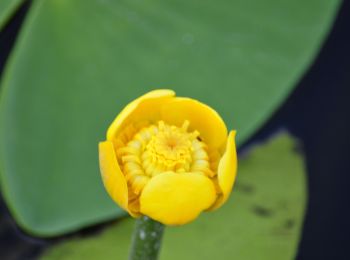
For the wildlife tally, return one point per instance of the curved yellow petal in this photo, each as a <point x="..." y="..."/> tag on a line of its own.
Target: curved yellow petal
<point x="227" y="170"/>
<point x="175" y="199"/>
<point x="113" y="178"/>
<point x="203" y="118"/>
<point x="143" y="108"/>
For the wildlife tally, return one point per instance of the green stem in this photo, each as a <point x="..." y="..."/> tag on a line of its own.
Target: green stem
<point x="146" y="239"/>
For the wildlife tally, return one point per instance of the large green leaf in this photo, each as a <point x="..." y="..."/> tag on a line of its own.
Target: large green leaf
<point x="77" y="63"/>
<point x="262" y="219"/>
<point x="7" y="8"/>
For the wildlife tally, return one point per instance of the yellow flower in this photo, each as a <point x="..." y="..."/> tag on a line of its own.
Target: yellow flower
<point x="169" y="158"/>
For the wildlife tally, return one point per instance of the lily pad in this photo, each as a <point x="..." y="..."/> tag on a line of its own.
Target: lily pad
<point x="7" y="8"/>
<point x="262" y="219"/>
<point x="76" y="64"/>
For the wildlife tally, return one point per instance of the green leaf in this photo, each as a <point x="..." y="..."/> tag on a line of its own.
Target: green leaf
<point x="7" y="8"/>
<point x="78" y="63"/>
<point x="262" y="219"/>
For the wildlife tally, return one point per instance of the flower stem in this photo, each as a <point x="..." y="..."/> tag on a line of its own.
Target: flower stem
<point x="146" y="239"/>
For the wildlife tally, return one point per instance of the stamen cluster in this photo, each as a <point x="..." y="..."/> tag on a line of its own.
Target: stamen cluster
<point x="160" y="148"/>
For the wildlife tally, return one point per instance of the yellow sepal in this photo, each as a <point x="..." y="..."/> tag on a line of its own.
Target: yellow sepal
<point x="113" y="179"/>
<point x="227" y="170"/>
<point x="202" y="118"/>
<point x="145" y="108"/>
<point x="176" y="199"/>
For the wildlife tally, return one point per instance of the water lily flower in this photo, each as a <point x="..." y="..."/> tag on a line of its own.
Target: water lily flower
<point x="168" y="158"/>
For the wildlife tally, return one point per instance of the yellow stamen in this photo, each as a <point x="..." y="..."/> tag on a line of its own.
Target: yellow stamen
<point x="160" y="148"/>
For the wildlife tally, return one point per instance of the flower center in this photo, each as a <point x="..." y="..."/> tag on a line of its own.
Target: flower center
<point x="161" y="148"/>
<point x="169" y="149"/>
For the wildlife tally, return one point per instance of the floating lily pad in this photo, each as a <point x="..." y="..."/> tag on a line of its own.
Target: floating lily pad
<point x="262" y="219"/>
<point x="7" y="8"/>
<point x="76" y="64"/>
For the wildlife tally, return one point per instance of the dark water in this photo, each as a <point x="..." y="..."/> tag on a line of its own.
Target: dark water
<point x="318" y="112"/>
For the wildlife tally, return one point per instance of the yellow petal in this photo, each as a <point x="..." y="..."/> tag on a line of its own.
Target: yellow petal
<point x="145" y="107"/>
<point x="227" y="170"/>
<point x="113" y="178"/>
<point x="175" y="199"/>
<point x="202" y="118"/>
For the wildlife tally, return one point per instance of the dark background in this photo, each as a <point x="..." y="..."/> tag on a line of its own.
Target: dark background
<point x="317" y="112"/>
